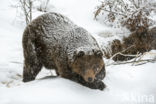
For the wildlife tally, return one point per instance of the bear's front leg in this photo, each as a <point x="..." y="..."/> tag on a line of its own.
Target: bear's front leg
<point x="97" y="84"/>
<point x="31" y="69"/>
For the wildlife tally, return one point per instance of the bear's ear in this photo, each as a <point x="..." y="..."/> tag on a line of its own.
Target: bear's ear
<point x="80" y="54"/>
<point x="99" y="53"/>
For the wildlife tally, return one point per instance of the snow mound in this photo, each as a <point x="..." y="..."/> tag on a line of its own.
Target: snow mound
<point x="126" y="84"/>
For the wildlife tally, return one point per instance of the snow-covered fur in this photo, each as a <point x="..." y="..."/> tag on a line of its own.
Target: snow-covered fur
<point x="53" y="41"/>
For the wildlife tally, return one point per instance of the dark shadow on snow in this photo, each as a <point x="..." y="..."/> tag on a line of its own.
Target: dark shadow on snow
<point x="48" y="77"/>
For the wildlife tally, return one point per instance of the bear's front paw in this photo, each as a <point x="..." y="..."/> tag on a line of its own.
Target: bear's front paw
<point x="100" y="85"/>
<point x="97" y="84"/>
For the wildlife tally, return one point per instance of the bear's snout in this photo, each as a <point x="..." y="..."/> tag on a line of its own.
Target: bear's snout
<point x="89" y="79"/>
<point x="89" y="76"/>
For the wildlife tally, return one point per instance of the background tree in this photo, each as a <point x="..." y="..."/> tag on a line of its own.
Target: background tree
<point x="26" y="6"/>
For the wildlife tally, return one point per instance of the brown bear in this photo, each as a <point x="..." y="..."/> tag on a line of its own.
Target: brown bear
<point x="152" y="34"/>
<point x="55" y="42"/>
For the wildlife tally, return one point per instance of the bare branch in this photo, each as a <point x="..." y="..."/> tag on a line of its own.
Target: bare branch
<point x="134" y="61"/>
<point x="123" y="51"/>
<point x="114" y="12"/>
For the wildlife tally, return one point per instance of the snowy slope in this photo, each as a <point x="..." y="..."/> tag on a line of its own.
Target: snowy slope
<point x="126" y="84"/>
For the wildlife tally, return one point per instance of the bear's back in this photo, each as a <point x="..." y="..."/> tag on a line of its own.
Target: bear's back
<point x="52" y="24"/>
<point x="55" y="35"/>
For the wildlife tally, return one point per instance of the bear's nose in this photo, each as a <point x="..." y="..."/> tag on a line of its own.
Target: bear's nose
<point x="90" y="79"/>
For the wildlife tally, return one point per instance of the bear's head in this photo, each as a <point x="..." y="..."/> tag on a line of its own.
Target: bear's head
<point x="88" y="65"/>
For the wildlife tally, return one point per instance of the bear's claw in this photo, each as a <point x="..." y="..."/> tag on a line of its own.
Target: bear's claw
<point x="101" y="85"/>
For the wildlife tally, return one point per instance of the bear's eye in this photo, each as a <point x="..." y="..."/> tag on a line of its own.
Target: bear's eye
<point x="95" y="68"/>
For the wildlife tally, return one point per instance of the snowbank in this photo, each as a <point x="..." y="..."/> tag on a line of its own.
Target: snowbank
<point x="126" y="84"/>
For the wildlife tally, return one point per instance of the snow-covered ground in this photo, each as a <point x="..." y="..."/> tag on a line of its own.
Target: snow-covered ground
<point x="126" y="84"/>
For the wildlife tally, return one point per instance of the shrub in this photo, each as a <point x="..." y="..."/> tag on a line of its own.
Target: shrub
<point x="132" y="14"/>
